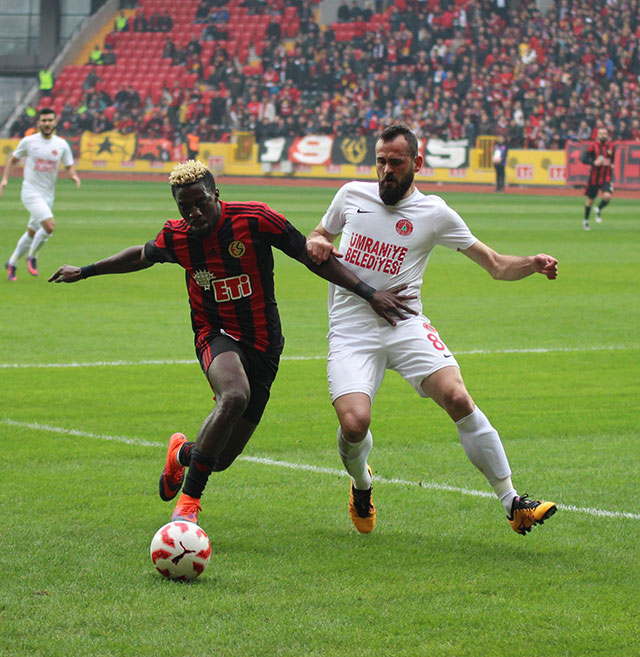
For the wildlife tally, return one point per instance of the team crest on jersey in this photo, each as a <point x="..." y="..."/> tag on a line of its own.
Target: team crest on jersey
<point x="237" y="249"/>
<point x="404" y="227"/>
<point x="54" y="152"/>
<point x="203" y="278"/>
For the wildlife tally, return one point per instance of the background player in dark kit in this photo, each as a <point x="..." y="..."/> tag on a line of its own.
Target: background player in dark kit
<point x="600" y="156"/>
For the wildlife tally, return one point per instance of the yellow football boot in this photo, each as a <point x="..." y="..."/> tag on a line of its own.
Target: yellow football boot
<point x="526" y="513"/>
<point x="361" y="509"/>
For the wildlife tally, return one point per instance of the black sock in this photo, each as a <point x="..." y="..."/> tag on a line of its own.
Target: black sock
<point x="587" y="211"/>
<point x="184" y="453"/>
<point x="603" y="204"/>
<point x="199" y="470"/>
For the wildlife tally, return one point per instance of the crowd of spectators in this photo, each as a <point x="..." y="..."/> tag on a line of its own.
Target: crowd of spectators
<point x="449" y="68"/>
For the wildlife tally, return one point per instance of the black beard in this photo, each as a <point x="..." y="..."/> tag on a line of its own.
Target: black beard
<point x="391" y="195"/>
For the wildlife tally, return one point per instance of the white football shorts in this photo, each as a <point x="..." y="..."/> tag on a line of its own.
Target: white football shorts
<point x="39" y="209"/>
<point x="360" y="353"/>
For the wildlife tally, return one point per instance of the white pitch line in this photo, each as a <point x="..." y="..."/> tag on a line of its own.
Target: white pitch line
<point x="36" y="426"/>
<point x="100" y="363"/>
<point x="470" y="352"/>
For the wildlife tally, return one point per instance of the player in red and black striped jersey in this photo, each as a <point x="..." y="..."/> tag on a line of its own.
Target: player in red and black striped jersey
<point x="600" y="156"/>
<point x="229" y="272"/>
<point x="225" y="250"/>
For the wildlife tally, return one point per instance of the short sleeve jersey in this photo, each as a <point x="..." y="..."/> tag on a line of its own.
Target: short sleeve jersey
<point x="229" y="273"/>
<point x="388" y="246"/>
<point x="601" y="174"/>
<point x="42" y="162"/>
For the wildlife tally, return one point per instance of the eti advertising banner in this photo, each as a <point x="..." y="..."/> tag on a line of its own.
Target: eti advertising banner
<point x="359" y="151"/>
<point x="626" y="164"/>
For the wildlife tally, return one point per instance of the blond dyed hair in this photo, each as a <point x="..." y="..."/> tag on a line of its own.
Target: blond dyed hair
<point x="188" y="173"/>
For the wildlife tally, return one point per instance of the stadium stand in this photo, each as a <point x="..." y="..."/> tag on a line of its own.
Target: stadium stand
<point x="449" y="68"/>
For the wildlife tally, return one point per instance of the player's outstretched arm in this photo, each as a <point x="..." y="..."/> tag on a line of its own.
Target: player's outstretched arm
<point x="131" y="259"/>
<point x="389" y="304"/>
<point x="509" y="267"/>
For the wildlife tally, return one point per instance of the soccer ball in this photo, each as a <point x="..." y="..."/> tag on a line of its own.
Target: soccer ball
<point x="180" y="550"/>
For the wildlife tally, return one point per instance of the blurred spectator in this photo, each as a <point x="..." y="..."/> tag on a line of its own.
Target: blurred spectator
<point x="121" y="23"/>
<point x="127" y="99"/>
<point x="153" y="24"/>
<point x="344" y="14"/>
<point x="24" y="122"/>
<point x="45" y="81"/>
<point x="95" y="57"/>
<point x="169" y="49"/>
<point x="90" y="81"/>
<point x="140" y="22"/>
<point x="193" y="143"/>
<point x="194" y="47"/>
<point x="165" y="23"/>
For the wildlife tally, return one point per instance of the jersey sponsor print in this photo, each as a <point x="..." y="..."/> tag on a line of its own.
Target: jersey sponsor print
<point x="388" y="246"/>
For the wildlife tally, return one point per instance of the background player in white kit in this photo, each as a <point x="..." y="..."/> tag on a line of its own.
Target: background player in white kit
<point x="388" y="232"/>
<point x="43" y="152"/>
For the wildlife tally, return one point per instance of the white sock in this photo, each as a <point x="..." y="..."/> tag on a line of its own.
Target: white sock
<point x="354" y="456"/>
<point x="483" y="447"/>
<point x="39" y="239"/>
<point x="21" y="248"/>
<point x="506" y="493"/>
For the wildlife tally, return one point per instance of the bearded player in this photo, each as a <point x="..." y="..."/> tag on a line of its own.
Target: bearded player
<point x="388" y="230"/>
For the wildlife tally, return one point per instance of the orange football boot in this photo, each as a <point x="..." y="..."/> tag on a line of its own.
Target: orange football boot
<point x="173" y="473"/>
<point x="187" y="508"/>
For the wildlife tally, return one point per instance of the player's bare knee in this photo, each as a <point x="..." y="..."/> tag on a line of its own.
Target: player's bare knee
<point x="232" y="403"/>
<point x="355" y="426"/>
<point x="457" y="402"/>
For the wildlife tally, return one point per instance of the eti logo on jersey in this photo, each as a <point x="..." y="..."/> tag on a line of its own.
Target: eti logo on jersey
<point x="404" y="227"/>
<point x="224" y="289"/>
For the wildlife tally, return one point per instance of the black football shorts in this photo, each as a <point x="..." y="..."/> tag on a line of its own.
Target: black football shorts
<point x="592" y="190"/>
<point x="260" y="367"/>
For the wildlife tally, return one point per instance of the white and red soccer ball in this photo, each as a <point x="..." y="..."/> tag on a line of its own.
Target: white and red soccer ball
<point x="180" y="550"/>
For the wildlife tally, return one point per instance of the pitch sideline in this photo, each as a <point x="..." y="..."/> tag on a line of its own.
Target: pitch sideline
<point x="602" y="513"/>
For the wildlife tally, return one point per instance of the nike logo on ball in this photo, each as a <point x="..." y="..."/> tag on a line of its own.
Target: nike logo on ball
<point x="364" y="211"/>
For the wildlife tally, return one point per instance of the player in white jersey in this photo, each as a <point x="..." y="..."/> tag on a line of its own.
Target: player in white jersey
<point x="388" y="230"/>
<point x="43" y="153"/>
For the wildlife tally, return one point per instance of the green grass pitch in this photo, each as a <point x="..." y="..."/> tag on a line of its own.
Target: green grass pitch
<point x="95" y="377"/>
